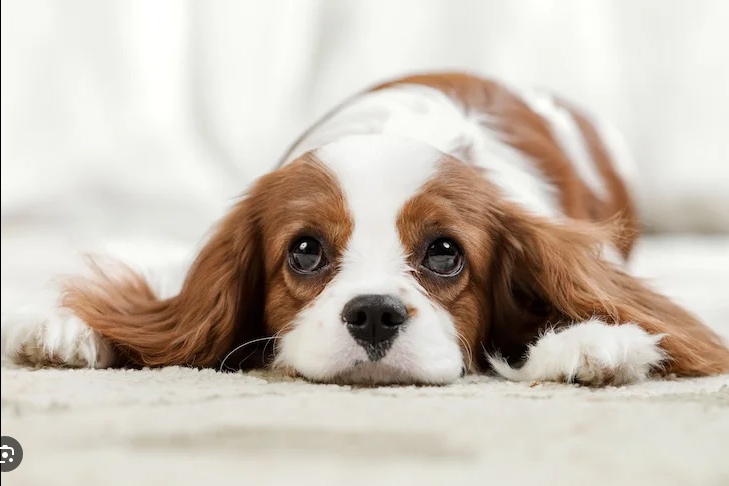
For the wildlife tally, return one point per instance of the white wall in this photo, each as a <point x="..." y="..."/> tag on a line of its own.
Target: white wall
<point x="145" y="116"/>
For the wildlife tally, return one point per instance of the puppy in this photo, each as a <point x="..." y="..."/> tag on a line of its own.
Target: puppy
<point x="429" y="227"/>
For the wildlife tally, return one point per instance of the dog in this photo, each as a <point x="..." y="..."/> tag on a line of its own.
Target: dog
<point x="433" y="226"/>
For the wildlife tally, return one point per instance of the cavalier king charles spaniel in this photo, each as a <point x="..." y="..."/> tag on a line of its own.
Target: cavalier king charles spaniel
<point x="429" y="227"/>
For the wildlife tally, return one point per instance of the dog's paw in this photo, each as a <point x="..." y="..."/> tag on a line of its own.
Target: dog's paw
<point x="591" y="353"/>
<point x="58" y="338"/>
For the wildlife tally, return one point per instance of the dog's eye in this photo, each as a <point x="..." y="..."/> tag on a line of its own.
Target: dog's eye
<point x="306" y="255"/>
<point x="443" y="257"/>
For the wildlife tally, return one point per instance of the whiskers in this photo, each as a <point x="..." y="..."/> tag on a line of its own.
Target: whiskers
<point x="276" y="337"/>
<point x="267" y="339"/>
<point x="467" y="349"/>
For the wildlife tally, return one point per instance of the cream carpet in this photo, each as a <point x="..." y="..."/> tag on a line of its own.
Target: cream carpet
<point x="182" y="426"/>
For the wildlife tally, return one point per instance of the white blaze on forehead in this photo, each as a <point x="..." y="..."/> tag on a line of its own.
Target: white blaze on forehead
<point x="378" y="175"/>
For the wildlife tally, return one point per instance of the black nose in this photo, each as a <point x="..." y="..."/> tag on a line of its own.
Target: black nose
<point x="373" y="319"/>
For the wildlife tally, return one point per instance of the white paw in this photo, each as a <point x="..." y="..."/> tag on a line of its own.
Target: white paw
<point x="591" y="352"/>
<point x="58" y="338"/>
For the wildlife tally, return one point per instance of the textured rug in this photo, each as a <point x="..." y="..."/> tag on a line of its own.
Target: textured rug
<point x="182" y="426"/>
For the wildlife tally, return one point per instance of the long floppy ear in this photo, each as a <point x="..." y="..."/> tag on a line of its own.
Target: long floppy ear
<point x="548" y="274"/>
<point x="220" y="304"/>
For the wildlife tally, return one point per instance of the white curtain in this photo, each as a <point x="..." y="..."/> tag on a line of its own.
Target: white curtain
<point x="147" y="116"/>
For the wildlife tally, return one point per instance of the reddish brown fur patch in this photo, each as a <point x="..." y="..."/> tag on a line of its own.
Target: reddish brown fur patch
<point x="560" y="263"/>
<point x="455" y="204"/>
<point x="308" y="201"/>
<point x="620" y="205"/>
<point x="239" y="288"/>
<point x="524" y="274"/>
<point x="529" y="133"/>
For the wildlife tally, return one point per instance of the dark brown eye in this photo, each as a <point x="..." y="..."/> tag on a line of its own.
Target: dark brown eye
<point x="443" y="257"/>
<point x="306" y="255"/>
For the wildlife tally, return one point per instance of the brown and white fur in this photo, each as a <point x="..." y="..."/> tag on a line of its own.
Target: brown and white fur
<point x="533" y="191"/>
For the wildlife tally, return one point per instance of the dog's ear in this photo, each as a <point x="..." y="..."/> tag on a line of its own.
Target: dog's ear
<point x="221" y="302"/>
<point x="548" y="274"/>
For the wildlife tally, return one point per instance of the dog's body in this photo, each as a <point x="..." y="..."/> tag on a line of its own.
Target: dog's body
<point x="430" y="226"/>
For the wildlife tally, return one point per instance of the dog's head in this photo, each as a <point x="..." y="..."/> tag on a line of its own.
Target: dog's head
<point x="376" y="262"/>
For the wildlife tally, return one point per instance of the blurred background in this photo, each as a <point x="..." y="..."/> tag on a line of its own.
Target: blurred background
<point x="137" y="121"/>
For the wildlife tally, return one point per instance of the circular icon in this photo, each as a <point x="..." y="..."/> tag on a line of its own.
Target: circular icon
<point x="11" y="454"/>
